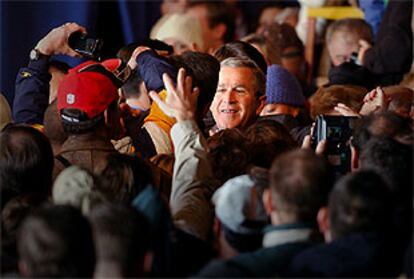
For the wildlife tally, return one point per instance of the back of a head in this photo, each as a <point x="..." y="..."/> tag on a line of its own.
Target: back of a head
<point x="392" y="160"/>
<point x="267" y="139"/>
<point x="381" y="124"/>
<point x="26" y="162"/>
<point x="300" y="182"/>
<point x="238" y="204"/>
<point x="122" y="238"/>
<point x="53" y="126"/>
<point x="238" y="49"/>
<point x="85" y="93"/>
<point x="123" y="178"/>
<point x="56" y="241"/>
<point x="224" y="147"/>
<point x="204" y="69"/>
<point x="327" y="97"/>
<point x="402" y="99"/>
<point x="359" y="202"/>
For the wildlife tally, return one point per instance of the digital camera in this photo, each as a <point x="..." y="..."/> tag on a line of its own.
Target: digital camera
<point x="337" y="131"/>
<point x="85" y="45"/>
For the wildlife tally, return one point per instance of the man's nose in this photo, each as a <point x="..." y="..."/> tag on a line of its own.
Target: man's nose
<point x="229" y="96"/>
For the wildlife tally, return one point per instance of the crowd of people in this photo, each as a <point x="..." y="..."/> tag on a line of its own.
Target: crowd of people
<point x="193" y="153"/>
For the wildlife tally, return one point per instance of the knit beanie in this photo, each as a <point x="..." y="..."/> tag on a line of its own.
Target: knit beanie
<point x="283" y="88"/>
<point x="179" y="27"/>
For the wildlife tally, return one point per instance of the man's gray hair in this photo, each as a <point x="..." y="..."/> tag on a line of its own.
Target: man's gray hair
<point x="245" y="62"/>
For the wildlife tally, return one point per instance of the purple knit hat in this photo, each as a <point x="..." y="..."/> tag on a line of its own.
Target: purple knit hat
<point x="283" y="88"/>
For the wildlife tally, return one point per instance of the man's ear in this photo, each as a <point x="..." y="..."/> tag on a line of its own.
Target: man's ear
<point x="354" y="159"/>
<point x="216" y="227"/>
<point x="323" y="223"/>
<point x="261" y="102"/>
<point x="267" y="201"/>
<point x="219" y="30"/>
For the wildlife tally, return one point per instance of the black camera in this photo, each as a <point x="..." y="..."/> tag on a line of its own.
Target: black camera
<point x="337" y="131"/>
<point x="85" y="45"/>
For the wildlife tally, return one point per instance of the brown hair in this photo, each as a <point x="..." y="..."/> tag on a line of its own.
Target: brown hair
<point x="327" y="97"/>
<point x="267" y="139"/>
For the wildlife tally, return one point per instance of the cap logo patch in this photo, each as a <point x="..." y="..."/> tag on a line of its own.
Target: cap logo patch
<point x="70" y="99"/>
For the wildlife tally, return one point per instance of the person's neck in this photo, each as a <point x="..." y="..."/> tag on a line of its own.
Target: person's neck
<point x="281" y="219"/>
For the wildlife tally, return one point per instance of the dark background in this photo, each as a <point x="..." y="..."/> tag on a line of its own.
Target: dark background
<point x="118" y="22"/>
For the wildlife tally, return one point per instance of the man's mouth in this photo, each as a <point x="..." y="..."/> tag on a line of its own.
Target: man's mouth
<point x="228" y="111"/>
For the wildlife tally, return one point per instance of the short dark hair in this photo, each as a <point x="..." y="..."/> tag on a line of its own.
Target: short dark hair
<point x="392" y="160"/>
<point x="300" y="182"/>
<point x="238" y="49"/>
<point x="359" y="202"/>
<point x="56" y="241"/>
<point x="122" y="237"/>
<point x="267" y="139"/>
<point x="53" y="125"/>
<point x="382" y="124"/>
<point x="131" y="87"/>
<point x="26" y="162"/>
<point x="204" y="69"/>
<point x="224" y="147"/>
<point x="218" y="12"/>
<point x="123" y="178"/>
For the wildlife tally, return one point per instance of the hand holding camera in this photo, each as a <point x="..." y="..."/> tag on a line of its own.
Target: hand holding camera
<point x="336" y="132"/>
<point x="56" y="41"/>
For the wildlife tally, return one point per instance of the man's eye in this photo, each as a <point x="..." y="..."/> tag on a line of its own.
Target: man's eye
<point x="221" y="90"/>
<point x="240" y="90"/>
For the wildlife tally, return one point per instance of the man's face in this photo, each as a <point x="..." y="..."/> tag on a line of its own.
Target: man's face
<point x="341" y="47"/>
<point x="235" y="103"/>
<point x="200" y="12"/>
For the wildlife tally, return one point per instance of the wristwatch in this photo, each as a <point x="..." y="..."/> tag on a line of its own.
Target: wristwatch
<point x="36" y="55"/>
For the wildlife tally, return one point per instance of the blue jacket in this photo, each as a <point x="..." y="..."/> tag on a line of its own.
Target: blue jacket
<point x="355" y="255"/>
<point x="31" y="93"/>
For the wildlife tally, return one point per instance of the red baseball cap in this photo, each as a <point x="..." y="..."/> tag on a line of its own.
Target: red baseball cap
<point x="90" y="87"/>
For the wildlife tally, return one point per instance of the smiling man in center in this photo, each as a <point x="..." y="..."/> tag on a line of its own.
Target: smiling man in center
<point x="240" y="94"/>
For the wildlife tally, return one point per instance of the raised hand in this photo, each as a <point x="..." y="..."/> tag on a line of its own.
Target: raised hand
<point x="56" y="41"/>
<point x="373" y="101"/>
<point x="345" y="110"/>
<point x="132" y="63"/>
<point x="181" y="100"/>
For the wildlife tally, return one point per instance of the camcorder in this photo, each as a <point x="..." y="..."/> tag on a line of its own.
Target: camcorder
<point x="337" y="131"/>
<point x="85" y="45"/>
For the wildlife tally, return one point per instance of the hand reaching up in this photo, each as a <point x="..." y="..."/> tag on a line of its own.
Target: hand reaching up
<point x="56" y="41"/>
<point x="373" y="101"/>
<point x="181" y="100"/>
